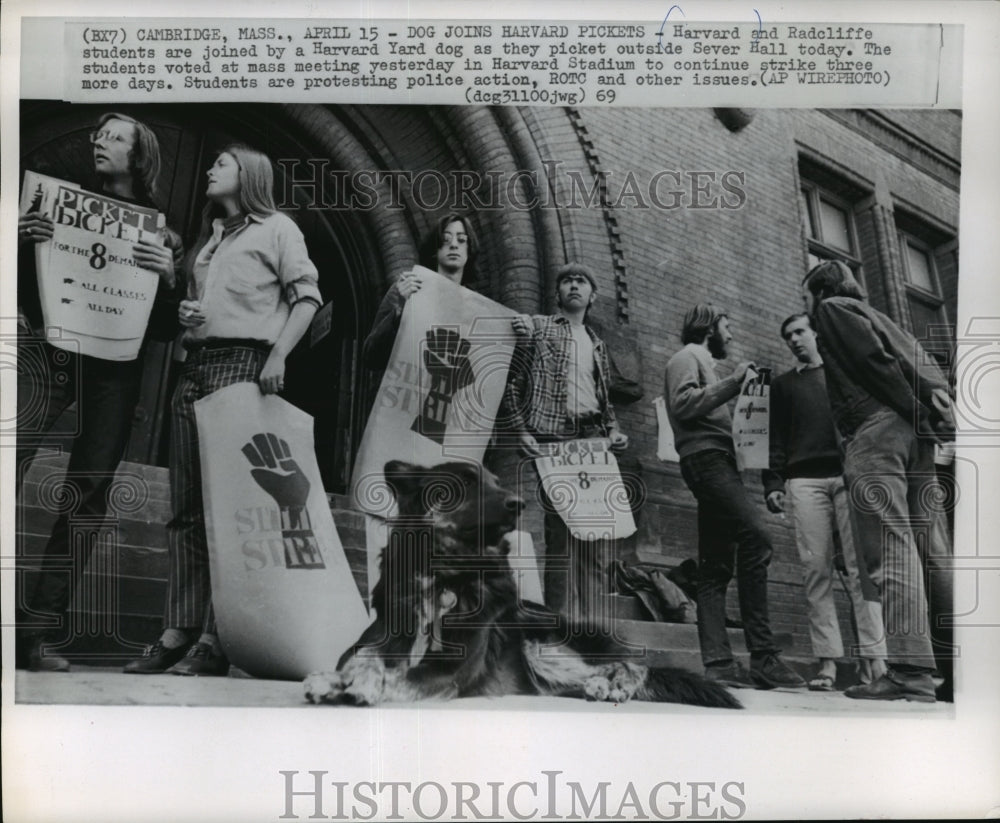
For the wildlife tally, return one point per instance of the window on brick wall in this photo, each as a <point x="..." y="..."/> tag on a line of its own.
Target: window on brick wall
<point x="928" y="253"/>
<point x="828" y="222"/>
<point x="929" y="257"/>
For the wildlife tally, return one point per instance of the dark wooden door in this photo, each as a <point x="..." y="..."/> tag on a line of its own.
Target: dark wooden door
<point x="324" y="378"/>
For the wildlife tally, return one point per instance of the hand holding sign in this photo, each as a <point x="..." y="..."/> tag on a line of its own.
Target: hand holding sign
<point x="156" y="258"/>
<point x="35" y="226"/>
<point x="529" y="445"/>
<point x="743" y="369"/>
<point x="618" y="440"/>
<point x="944" y="415"/>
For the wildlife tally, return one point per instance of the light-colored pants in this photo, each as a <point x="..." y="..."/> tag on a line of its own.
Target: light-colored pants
<point x="900" y="534"/>
<point x="820" y="508"/>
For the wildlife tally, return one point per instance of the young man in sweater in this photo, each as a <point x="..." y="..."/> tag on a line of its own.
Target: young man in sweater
<point x="702" y="426"/>
<point x="806" y="464"/>
<point x="891" y="403"/>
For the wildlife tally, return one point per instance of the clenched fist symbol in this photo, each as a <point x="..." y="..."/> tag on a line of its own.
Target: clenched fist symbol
<point x="276" y="472"/>
<point x="280" y="476"/>
<point x="446" y="359"/>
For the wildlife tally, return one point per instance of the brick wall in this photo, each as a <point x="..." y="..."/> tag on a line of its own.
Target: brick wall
<point x="652" y="264"/>
<point x="750" y="259"/>
<point x="129" y="567"/>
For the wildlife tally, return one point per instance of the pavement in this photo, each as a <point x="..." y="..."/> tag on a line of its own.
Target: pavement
<point x="98" y="686"/>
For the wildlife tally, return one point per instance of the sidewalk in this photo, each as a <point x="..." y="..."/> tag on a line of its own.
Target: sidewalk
<point x="109" y="687"/>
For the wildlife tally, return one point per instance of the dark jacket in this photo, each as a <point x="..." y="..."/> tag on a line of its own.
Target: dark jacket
<point x="378" y="344"/>
<point x="873" y="364"/>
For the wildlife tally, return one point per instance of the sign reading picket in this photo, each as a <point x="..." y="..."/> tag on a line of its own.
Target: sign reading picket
<point x="89" y="284"/>
<point x="442" y="387"/>
<point x="284" y="595"/>
<point x="582" y="481"/>
<point x="751" y="420"/>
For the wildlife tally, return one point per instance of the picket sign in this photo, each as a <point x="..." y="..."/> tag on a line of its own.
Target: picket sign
<point x="95" y="299"/>
<point x="441" y="389"/>
<point x="751" y="421"/>
<point x="584" y="485"/>
<point x="439" y="395"/>
<point x="285" y="599"/>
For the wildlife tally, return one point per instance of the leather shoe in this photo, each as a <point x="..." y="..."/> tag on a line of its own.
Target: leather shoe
<point x="730" y="674"/>
<point x="42" y="660"/>
<point x="202" y="659"/>
<point x="896" y="686"/>
<point x="771" y="672"/>
<point x="156" y="659"/>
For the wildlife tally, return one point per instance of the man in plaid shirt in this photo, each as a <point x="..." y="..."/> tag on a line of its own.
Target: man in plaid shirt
<point x="559" y="390"/>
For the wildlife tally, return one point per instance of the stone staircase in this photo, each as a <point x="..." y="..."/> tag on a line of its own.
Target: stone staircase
<point x="119" y="607"/>
<point x="671" y="644"/>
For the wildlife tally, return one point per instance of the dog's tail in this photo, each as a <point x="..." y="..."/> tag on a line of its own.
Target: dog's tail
<point x="679" y="686"/>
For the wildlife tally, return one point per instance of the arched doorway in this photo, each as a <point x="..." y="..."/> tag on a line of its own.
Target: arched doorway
<point x="357" y="250"/>
<point x="325" y="378"/>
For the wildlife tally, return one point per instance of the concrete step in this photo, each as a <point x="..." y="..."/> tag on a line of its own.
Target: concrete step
<point x="676" y="644"/>
<point x="119" y="606"/>
<point x="138" y="564"/>
<point x="626" y="607"/>
<point x="93" y="644"/>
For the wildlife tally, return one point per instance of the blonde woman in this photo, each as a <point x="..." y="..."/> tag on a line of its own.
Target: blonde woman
<point x="252" y="294"/>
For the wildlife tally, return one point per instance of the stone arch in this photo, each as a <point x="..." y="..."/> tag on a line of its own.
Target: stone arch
<point x="362" y="248"/>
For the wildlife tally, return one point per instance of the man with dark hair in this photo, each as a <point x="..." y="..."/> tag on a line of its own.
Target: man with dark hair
<point x="449" y="249"/>
<point x="891" y="402"/>
<point x="559" y="390"/>
<point x="126" y="159"/>
<point x="702" y="426"/>
<point x="806" y="461"/>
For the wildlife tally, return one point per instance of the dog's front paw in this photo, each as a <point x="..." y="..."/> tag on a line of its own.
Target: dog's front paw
<point x="617" y="684"/>
<point x="324" y="687"/>
<point x="366" y="681"/>
<point x="596" y="687"/>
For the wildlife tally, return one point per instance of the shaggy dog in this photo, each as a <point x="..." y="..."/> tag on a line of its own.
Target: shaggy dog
<point x="450" y="623"/>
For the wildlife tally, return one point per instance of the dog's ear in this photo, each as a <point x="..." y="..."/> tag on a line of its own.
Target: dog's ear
<point x="405" y="479"/>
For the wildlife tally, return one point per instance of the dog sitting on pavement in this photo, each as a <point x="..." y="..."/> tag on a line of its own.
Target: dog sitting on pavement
<point x="450" y="623"/>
